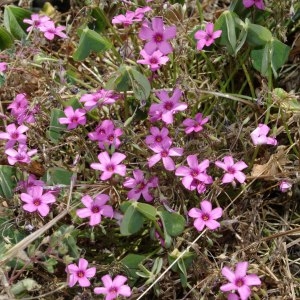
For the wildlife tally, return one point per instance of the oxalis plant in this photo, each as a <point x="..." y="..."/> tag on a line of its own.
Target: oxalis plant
<point x="149" y="151"/>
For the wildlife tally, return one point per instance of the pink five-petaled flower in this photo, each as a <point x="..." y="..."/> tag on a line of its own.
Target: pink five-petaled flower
<point x="99" y="98"/>
<point x="167" y="107"/>
<point x="239" y="280"/>
<point x="154" y="60"/>
<point x="113" y="288"/>
<point x="163" y="152"/>
<point x="206" y="216"/>
<point x="259" y="136"/>
<point x="195" y="124"/>
<point x="207" y="37"/>
<point x="37" y="201"/>
<point x="140" y="186"/>
<point x="95" y="208"/>
<point x="21" y="155"/>
<point x="195" y="173"/>
<point x="285" y="186"/>
<point x="258" y="3"/>
<point x="106" y="134"/>
<point x="157" y="136"/>
<point x="73" y="117"/>
<point x="50" y="31"/>
<point x="3" y="67"/>
<point x="80" y="273"/>
<point x="233" y="170"/>
<point x="110" y="166"/>
<point x="14" y="135"/>
<point x="157" y="36"/>
<point x="36" y="21"/>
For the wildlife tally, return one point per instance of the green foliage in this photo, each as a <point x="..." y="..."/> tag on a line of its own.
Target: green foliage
<point x="173" y="223"/>
<point x="100" y="20"/>
<point x="56" y="175"/>
<point x="7" y="181"/>
<point x="55" y="128"/>
<point x="25" y="285"/>
<point x="131" y="262"/>
<point x="6" y="39"/>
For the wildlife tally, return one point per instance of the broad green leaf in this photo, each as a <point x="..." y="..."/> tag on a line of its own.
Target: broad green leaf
<point x="7" y="181"/>
<point x="6" y="39"/>
<point x="58" y="175"/>
<point x="258" y="35"/>
<point x="56" y="129"/>
<point x="100" y="20"/>
<point x="140" y="85"/>
<point x="131" y="262"/>
<point x="120" y="81"/>
<point x="13" y="20"/>
<point x="280" y="54"/>
<point x="242" y="36"/>
<point x="149" y="211"/>
<point x="173" y="223"/>
<point x="90" y="41"/>
<point x="132" y="221"/>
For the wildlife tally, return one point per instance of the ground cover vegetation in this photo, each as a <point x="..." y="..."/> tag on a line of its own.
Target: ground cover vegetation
<point x="149" y="149"/>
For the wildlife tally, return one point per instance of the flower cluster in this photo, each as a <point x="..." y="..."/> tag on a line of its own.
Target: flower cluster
<point x="131" y="16"/>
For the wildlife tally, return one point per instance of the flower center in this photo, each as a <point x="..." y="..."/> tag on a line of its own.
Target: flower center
<point x="74" y="119"/>
<point x="231" y="170"/>
<point x="140" y="186"/>
<point x="14" y="135"/>
<point x="158" y="139"/>
<point x="239" y="282"/>
<point x="95" y="209"/>
<point x="113" y="290"/>
<point x="195" y="173"/>
<point x="158" y="37"/>
<point x="110" y="168"/>
<point x="37" y="202"/>
<point x="164" y="153"/>
<point x="20" y="157"/>
<point x="153" y="60"/>
<point x="101" y="131"/>
<point x="205" y="217"/>
<point x="80" y="274"/>
<point x="111" y="138"/>
<point x="168" y="105"/>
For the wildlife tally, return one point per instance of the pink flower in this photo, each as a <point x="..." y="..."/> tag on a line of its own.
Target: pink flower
<point x="285" y="186"/>
<point x="140" y="186"/>
<point x="195" y="173"/>
<point x="157" y="136"/>
<point x="100" y="98"/>
<point x="110" y="166"/>
<point x="73" y="117"/>
<point x="113" y="288"/>
<point x="232" y="296"/>
<point x="124" y="20"/>
<point x="206" y="216"/>
<point x="157" y="36"/>
<point x="163" y="153"/>
<point x="36" y="21"/>
<point x="50" y="31"/>
<point x="167" y="106"/>
<point x="233" y="170"/>
<point x="258" y="3"/>
<point x="21" y="155"/>
<point x="29" y="182"/>
<point x="106" y="134"/>
<point x="154" y="60"/>
<point x="80" y="273"/>
<point x="3" y="67"/>
<point x="95" y="208"/>
<point x="37" y="201"/>
<point x="259" y="136"/>
<point x="207" y="37"/>
<point x="139" y="13"/>
<point x="194" y="124"/>
<point x="239" y="280"/>
<point x="14" y="135"/>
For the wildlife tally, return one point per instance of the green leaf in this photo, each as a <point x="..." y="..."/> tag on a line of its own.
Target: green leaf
<point x="100" y="20"/>
<point x="149" y="211"/>
<point x="258" y="35"/>
<point x="56" y="128"/>
<point x="280" y="54"/>
<point x="13" y="20"/>
<point x="23" y="285"/>
<point x="242" y="36"/>
<point x="90" y="41"/>
<point x="140" y="85"/>
<point x="132" y="221"/>
<point x="58" y="175"/>
<point x="7" y="181"/>
<point x="174" y="223"/>
<point x="131" y="262"/>
<point x="6" y="39"/>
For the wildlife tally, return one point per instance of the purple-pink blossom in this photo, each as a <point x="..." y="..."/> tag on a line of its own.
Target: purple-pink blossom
<point x="106" y="134"/>
<point x="232" y="170"/>
<point x="140" y="186"/>
<point x="206" y="216"/>
<point x="36" y="21"/>
<point x="3" y="67"/>
<point x="239" y="280"/>
<point x="99" y="98"/>
<point x="96" y="208"/>
<point x="154" y="60"/>
<point x="80" y="273"/>
<point x="31" y="181"/>
<point x="195" y="173"/>
<point x="259" y="136"/>
<point x="50" y="31"/>
<point x="21" y="155"/>
<point x="131" y="16"/>
<point x="113" y="287"/>
<point x="195" y="124"/>
<point x="285" y="186"/>
<point x="157" y="136"/>
<point x="110" y="165"/>
<point x="164" y="153"/>
<point x="157" y="36"/>
<point x="258" y="3"/>
<point x="14" y="134"/>
<point x="37" y="200"/>
<point x="206" y="37"/>
<point x="73" y="117"/>
<point x="167" y="107"/>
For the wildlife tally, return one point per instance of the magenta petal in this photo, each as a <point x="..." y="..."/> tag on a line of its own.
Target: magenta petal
<point x="170" y="32"/>
<point x="106" y="175"/>
<point x="149" y="48"/>
<point x="182" y="171"/>
<point x="240" y="165"/>
<point x="199" y="224"/>
<point x="107" y="281"/>
<point x="101" y="199"/>
<point x="145" y="33"/>
<point x="216" y="213"/>
<point x="107" y="211"/>
<point x="83" y="212"/>
<point x="83" y="281"/>
<point x="117" y="157"/>
<point x="228" y="160"/>
<point x="26" y="198"/>
<point x="97" y="166"/>
<point x="125" y="291"/>
<point x="100" y="290"/>
<point x="72" y="268"/>
<point x="90" y="272"/>
<point x="87" y="201"/>
<point x="209" y="28"/>
<point x="248" y="3"/>
<point x="72" y="280"/>
<point x="241" y="269"/>
<point x="95" y="219"/>
<point x="43" y="209"/>
<point x="153" y="160"/>
<point x="82" y="264"/>
<point x="212" y="224"/>
<point x="157" y="24"/>
<point x="206" y="207"/>
<point x="30" y="207"/>
<point x="227" y="178"/>
<point x="119" y="280"/>
<point x="192" y="161"/>
<point x="229" y="275"/>
<point x="195" y="213"/>
<point x="121" y="170"/>
<point x="239" y="176"/>
<point x="228" y="287"/>
<point x="252" y="279"/>
<point x="168" y="163"/>
<point x="165" y="47"/>
<point x="48" y="198"/>
<point x="244" y="292"/>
